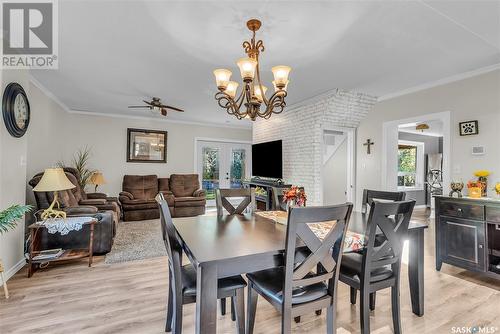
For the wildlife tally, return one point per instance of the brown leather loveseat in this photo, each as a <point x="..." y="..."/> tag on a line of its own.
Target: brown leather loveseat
<point x="181" y="192"/>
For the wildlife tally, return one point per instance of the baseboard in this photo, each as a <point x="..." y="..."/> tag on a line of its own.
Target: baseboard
<point x="12" y="271"/>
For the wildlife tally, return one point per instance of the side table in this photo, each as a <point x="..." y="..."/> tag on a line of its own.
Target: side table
<point x="73" y="224"/>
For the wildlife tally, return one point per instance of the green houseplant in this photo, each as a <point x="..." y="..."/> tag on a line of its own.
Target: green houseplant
<point x="8" y="220"/>
<point x="80" y="163"/>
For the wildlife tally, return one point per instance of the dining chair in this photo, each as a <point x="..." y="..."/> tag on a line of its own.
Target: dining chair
<point x="378" y="266"/>
<point x="182" y="278"/>
<point x="222" y="202"/>
<point x="277" y="194"/>
<point x="370" y="195"/>
<point x="299" y="287"/>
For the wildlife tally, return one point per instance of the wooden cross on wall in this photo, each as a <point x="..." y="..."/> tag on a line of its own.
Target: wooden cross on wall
<point x="368" y="144"/>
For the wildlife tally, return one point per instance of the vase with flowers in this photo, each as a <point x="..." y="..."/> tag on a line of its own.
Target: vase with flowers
<point x="475" y="189"/>
<point x="482" y="178"/>
<point x="295" y="196"/>
<point x="497" y="188"/>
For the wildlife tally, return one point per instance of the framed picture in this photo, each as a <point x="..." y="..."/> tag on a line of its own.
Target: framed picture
<point x="146" y="145"/>
<point x="468" y="128"/>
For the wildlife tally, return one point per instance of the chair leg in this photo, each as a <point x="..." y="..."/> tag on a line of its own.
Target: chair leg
<point x="251" y="308"/>
<point x="353" y="296"/>
<point x="330" y="320"/>
<point x="396" y="309"/>
<point x="233" y="312"/>
<point x="170" y="311"/>
<point x="364" y="308"/>
<point x="297" y="319"/>
<point x="373" y="295"/>
<point x="177" y="325"/>
<point x="238" y="305"/>
<point x="286" y="320"/>
<point x="223" y="306"/>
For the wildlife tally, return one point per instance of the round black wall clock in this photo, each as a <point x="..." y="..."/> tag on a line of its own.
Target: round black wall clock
<point x="15" y="110"/>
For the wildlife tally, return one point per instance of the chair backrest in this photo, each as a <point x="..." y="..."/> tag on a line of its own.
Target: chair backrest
<point x="184" y="185"/>
<point x="370" y="195"/>
<point x="141" y="186"/>
<point x="277" y="194"/>
<point x="174" y="249"/>
<point x="389" y="220"/>
<point x="322" y="258"/>
<point x="222" y="202"/>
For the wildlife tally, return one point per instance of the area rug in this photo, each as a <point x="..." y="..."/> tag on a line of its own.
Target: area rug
<point x="137" y="241"/>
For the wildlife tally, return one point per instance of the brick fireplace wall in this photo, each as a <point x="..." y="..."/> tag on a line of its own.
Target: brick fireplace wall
<point x="300" y="127"/>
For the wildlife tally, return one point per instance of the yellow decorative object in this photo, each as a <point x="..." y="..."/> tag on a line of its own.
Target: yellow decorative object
<point x="482" y="173"/>
<point x="497" y="188"/>
<point x="53" y="179"/>
<point x="97" y="179"/>
<point x="475" y="192"/>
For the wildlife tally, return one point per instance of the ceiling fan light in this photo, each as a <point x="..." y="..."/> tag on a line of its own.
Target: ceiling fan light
<point x="222" y="77"/>
<point x="247" y="68"/>
<point x="257" y="92"/>
<point x="232" y="87"/>
<point x="281" y="73"/>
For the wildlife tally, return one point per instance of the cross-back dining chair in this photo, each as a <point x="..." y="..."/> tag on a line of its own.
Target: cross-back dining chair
<point x="378" y="265"/>
<point x="182" y="278"/>
<point x="299" y="288"/>
<point x="370" y="195"/>
<point x="222" y="197"/>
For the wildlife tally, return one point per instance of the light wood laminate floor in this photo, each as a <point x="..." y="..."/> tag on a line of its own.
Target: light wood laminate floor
<point x="131" y="298"/>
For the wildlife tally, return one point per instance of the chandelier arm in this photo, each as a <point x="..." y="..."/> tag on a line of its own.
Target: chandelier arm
<point x="226" y="102"/>
<point x="264" y="99"/>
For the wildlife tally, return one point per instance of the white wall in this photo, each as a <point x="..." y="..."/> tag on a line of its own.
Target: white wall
<point x="57" y="135"/>
<point x="335" y="177"/>
<point x="476" y="98"/>
<point x="12" y="180"/>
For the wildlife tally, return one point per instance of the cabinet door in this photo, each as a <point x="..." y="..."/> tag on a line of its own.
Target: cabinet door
<point x="463" y="243"/>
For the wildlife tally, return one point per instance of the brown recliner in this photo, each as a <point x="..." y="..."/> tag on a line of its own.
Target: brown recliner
<point x="181" y="192"/>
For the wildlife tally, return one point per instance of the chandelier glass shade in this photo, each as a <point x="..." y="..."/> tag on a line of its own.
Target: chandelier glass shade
<point x="251" y="101"/>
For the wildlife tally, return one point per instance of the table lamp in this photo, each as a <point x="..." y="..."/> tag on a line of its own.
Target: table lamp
<point x="53" y="179"/>
<point x="97" y="179"/>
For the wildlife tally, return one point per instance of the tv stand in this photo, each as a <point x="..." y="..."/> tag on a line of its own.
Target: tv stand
<point x="265" y="202"/>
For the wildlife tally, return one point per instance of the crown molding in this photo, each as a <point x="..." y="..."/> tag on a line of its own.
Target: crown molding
<point x="440" y="82"/>
<point x="163" y="120"/>
<point x="50" y="95"/>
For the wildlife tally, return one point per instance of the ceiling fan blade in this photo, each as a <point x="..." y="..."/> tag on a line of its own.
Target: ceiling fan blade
<point x="148" y="102"/>
<point x="139" y="107"/>
<point x="174" y="108"/>
<point x="163" y="111"/>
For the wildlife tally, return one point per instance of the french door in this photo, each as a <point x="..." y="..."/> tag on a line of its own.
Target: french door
<point x="222" y="165"/>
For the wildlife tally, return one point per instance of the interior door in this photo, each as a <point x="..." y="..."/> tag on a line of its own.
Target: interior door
<point x="222" y="165"/>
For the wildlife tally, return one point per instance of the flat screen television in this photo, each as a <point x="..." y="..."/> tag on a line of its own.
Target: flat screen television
<point x="267" y="160"/>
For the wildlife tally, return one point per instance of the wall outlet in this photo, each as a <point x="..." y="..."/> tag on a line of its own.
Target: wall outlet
<point x="478" y="150"/>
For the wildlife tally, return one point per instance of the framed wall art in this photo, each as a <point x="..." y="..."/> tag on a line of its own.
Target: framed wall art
<point x="146" y="145"/>
<point x="468" y="128"/>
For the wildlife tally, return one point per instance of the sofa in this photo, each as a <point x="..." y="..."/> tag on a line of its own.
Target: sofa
<point x="181" y="191"/>
<point x="104" y="232"/>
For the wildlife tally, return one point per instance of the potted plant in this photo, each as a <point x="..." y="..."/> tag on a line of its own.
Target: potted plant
<point x="80" y="163"/>
<point x="8" y="220"/>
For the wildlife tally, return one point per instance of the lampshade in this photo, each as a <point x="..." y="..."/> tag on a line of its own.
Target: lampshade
<point x="222" y="77"/>
<point x="232" y="87"/>
<point x="284" y="88"/>
<point x="54" y="179"/>
<point x="281" y="73"/>
<point x="247" y="68"/>
<point x="258" y="93"/>
<point x="97" y="179"/>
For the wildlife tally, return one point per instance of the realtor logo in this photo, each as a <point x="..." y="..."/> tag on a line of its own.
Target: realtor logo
<point x="29" y="34"/>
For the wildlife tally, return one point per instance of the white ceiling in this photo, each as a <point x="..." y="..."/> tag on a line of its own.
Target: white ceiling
<point x="115" y="53"/>
<point x="435" y="128"/>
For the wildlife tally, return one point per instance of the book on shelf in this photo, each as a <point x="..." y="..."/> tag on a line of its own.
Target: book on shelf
<point x="49" y="254"/>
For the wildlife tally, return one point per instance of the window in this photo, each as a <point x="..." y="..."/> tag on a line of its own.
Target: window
<point x="410" y="165"/>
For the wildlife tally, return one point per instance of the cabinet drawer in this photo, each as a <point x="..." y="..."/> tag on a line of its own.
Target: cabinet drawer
<point x="493" y="214"/>
<point x="462" y="210"/>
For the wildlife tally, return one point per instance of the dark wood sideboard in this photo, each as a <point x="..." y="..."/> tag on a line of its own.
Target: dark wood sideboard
<point x="265" y="202"/>
<point x="468" y="234"/>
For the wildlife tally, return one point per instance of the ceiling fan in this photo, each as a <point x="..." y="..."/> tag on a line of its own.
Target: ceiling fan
<point x="156" y="105"/>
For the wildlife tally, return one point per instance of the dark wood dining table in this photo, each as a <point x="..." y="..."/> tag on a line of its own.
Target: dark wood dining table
<point x="237" y="244"/>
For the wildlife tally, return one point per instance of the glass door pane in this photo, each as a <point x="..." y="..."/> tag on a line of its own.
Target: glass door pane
<point x="238" y="167"/>
<point x="210" y="171"/>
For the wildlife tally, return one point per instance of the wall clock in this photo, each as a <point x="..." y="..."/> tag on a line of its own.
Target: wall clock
<point x="15" y="110"/>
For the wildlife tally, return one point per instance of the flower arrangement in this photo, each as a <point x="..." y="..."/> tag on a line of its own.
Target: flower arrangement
<point x="295" y="196"/>
<point x="482" y="177"/>
<point x="475" y="189"/>
<point x="497" y="188"/>
<point x="482" y="173"/>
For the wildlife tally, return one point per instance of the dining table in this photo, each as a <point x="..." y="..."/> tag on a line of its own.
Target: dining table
<point x="229" y="245"/>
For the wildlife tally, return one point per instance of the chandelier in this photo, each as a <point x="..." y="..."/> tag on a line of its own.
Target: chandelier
<point x="252" y="101"/>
